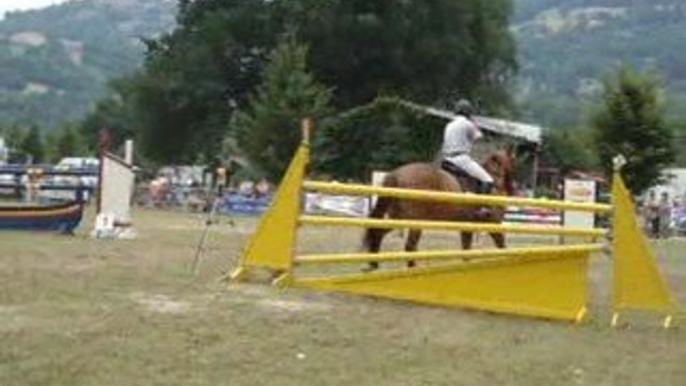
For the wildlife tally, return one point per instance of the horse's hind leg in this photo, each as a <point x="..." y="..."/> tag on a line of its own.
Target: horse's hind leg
<point x="498" y="239"/>
<point x="466" y="238"/>
<point x="372" y="241"/>
<point x="411" y="244"/>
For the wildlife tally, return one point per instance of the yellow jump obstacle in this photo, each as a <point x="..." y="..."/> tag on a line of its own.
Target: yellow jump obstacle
<point x="546" y="281"/>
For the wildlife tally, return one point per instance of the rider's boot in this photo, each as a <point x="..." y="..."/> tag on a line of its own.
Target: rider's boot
<point x="485" y="187"/>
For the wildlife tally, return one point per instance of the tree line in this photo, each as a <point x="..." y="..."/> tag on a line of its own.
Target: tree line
<point x="229" y="58"/>
<point x="236" y="77"/>
<point x="36" y="146"/>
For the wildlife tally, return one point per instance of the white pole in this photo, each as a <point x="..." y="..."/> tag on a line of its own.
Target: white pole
<point x="128" y="152"/>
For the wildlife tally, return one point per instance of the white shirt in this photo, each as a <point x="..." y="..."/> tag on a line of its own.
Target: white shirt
<point x="459" y="136"/>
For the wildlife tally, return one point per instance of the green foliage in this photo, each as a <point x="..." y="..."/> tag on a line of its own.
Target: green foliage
<point x="114" y="114"/>
<point x="631" y="123"/>
<point x="67" y="142"/>
<point x="379" y="136"/>
<point x="33" y="145"/>
<point x="196" y="77"/>
<point x="567" y="47"/>
<point x="55" y="62"/>
<point x="678" y="126"/>
<point x="425" y="51"/>
<point x="268" y="130"/>
<point x="569" y="150"/>
<point x="14" y="136"/>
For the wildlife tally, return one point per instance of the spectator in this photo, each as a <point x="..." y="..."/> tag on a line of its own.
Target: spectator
<point x="651" y="215"/>
<point x="664" y="214"/>
<point x="262" y="188"/>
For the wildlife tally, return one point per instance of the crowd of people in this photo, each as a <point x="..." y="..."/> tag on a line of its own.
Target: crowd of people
<point x="663" y="217"/>
<point x="195" y="195"/>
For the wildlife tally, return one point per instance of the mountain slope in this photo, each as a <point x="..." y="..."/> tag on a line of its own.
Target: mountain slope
<point x="56" y="62"/>
<point x="567" y="48"/>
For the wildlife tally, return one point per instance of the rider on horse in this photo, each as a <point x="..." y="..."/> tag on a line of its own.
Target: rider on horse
<point x="459" y="137"/>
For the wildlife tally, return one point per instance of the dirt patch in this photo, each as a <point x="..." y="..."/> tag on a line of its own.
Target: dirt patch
<point x="291" y="305"/>
<point x="161" y="303"/>
<point x="267" y="297"/>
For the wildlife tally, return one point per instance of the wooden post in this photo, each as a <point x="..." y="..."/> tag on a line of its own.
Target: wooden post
<point x="307" y="129"/>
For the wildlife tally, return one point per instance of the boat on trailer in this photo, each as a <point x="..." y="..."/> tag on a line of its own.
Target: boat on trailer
<point x="62" y="217"/>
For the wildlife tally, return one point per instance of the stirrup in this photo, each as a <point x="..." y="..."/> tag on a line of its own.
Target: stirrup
<point x="485" y="187"/>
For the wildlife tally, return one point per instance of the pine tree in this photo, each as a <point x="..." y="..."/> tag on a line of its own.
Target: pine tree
<point x="14" y="136"/>
<point x="569" y="149"/>
<point x="69" y="143"/>
<point x="631" y="123"/>
<point x="268" y="130"/>
<point x="33" y="145"/>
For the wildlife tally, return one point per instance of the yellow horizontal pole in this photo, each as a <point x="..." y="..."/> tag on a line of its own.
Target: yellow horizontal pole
<point x="451" y="225"/>
<point x="453" y="198"/>
<point x="524" y="253"/>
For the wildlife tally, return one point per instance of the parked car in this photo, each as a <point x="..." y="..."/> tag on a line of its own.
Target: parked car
<point x="78" y="163"/>
<point x="74" y="163"/>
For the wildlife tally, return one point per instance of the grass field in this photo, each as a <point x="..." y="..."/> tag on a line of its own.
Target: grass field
<point x="74" y="311"/>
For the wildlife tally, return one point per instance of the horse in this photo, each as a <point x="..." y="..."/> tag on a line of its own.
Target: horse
<point x="430" y="176"/>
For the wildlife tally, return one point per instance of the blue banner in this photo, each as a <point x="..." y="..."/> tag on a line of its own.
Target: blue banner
<point x="240" y="204"/>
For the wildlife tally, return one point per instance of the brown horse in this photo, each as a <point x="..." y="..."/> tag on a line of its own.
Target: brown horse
<point x="426" y="176"/>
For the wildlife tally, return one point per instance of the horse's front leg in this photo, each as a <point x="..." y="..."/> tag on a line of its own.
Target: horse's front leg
<point x="498" y="239"/>
<point x="411" y="244"/>
<point x="466" y="238"/>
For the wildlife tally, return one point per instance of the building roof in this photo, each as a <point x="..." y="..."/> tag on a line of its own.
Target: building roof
<point x="518" y="130"/>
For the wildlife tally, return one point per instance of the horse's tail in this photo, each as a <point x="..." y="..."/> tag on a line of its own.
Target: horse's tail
<point x="379" y="210"/>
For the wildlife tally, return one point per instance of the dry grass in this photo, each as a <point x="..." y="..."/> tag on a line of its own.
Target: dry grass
<point x="78" y="312"/>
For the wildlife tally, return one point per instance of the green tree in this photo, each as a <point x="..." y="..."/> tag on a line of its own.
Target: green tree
<point x="195" y="78"/>
<point x="50" y="139"/>
<point x="33" y="146"/>
<point x="268" y="130"/>
<point x="67" y="142"/>
<point x="678" y="125"/>
<point x="114" y="113"/>
<point x="630" y="122"/>
<point x="426" y="51"/>
<point x="14" y="136"/>
<point x="569" y="149"/>
<point x="378" y="136"/>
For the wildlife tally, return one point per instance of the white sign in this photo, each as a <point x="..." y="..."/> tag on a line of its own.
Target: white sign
<point x="117" y="184"/>
<point x="579" y="191"/>
<point x="336" y="205"/>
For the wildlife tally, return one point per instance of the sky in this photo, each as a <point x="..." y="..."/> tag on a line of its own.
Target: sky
<point x="15" y="5"/>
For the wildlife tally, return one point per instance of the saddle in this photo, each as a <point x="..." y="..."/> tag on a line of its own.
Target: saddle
<point x="466" y="181"/>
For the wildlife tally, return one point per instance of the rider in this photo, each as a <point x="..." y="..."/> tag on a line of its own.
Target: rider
<point x="458" y="140"/>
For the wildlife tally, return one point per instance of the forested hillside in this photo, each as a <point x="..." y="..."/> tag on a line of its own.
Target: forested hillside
<point x="567" y="47"/>
<point x="55" y="63"/>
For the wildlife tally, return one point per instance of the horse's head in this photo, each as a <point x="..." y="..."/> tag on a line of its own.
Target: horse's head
<point x="500" y="165"/>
